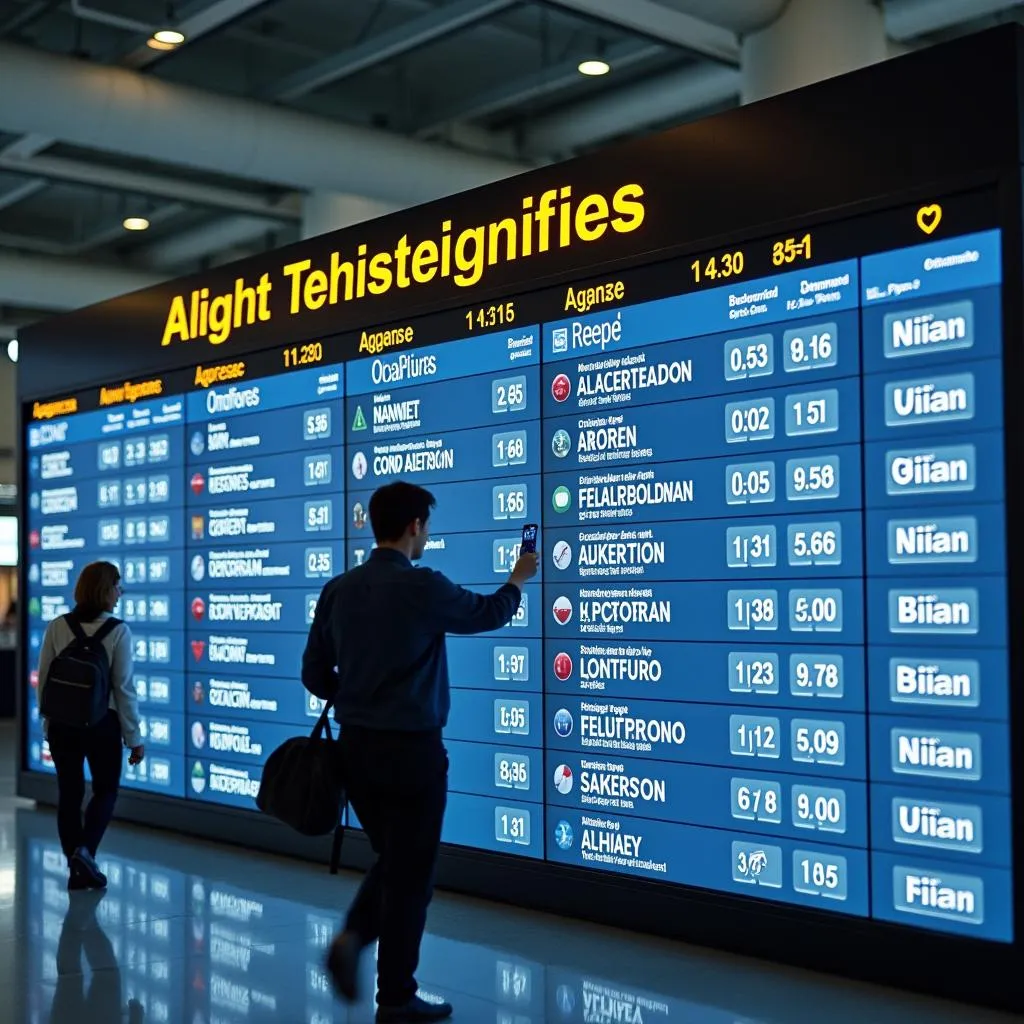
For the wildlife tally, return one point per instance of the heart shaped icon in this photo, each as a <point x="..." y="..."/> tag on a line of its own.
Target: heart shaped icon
<point x="198" y="647"/>
<point x="928" y="218"/>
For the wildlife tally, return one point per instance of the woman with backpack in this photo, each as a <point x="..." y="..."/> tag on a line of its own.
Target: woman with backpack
<point x="89" y="707"/>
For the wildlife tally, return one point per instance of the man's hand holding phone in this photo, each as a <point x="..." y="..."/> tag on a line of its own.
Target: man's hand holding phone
<point x="528" y="562"/>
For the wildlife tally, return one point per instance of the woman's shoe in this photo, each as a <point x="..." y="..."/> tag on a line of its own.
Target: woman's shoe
<point x="85" y="872"/>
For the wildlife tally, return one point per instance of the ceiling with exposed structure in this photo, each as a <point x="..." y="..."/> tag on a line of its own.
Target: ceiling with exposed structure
<point x="223" y="142"/>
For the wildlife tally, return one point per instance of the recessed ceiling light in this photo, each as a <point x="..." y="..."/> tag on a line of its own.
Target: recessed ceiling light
<point x="594" y="68"/>
<point x="12" y="350"/>
<point x="169" y="37"/>
<point x="154" y="44"/>
<point x="135" y="223"/>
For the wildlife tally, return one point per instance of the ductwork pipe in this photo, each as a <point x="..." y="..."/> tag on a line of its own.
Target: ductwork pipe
<point x="35" y="282"/>
<point x="121" y="111"/>
<point x="669" y="97"/>
<point x="910" y="19"/>
<point x="185" y="248"/>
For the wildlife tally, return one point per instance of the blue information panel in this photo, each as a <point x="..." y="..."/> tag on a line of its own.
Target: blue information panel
<point x="462" y="418"/>
<point x="775" y="541"/>
<point x="767" y="652"/>
<point x="110" y="485"/>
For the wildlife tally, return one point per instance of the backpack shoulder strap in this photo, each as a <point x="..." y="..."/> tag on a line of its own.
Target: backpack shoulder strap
<point x="106" y="629"/>
<point x="76" y="628"/>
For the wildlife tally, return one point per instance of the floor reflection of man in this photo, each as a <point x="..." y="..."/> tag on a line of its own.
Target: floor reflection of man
<point x="74" y="1001"/>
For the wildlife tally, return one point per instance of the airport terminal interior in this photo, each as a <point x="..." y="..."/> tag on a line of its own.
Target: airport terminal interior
<point x="717" y="303"/>
<point x="196" y="932"/>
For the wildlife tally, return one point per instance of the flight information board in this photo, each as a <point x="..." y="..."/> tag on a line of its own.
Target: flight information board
<point x="767" y="652"/>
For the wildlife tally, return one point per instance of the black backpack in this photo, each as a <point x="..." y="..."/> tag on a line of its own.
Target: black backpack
<point x="77" y="687"/>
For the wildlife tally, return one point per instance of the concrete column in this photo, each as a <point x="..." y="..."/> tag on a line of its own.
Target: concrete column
<point x="810" y="41"/>
<point x="331" y="211"/>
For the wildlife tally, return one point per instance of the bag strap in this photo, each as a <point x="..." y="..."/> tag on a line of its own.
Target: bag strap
<point x="76" y="628"/>
<point x="106" y="629"/>
<point x="323" y="723"/>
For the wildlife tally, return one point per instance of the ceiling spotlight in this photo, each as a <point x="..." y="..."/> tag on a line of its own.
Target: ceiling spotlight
<point x="594" y="68"/>
<point x="12" y="350"/>
<point x="155" y="44"/>
<point x="169" y="37"/>
<point x="135" y="223"/>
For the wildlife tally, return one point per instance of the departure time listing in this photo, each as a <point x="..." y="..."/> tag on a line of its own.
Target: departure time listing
<point x="767" y="653"/>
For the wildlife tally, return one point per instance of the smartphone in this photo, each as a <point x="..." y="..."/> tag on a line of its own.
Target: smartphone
<point x="529" y="545"/>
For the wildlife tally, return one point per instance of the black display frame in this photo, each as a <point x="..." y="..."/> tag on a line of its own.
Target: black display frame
<point x="978" y="971"/>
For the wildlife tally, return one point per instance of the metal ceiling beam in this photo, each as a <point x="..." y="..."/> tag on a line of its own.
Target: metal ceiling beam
<point x="20" y="193"/>
<point x="651" y="19"/>
<point x="412" y="35"/>
<point x="26" y="16"/>
<point x="37" y="282"/>
<point x="144" y="183"/>
<point x="655" y="101"/>
<point x="192" y="245"/>
<point x="121" y="111"/>
<point x="534" y="86"/>
<point x="201" y="19"/>
<point x="112" y="233"/>
<point x="910" y="19"/>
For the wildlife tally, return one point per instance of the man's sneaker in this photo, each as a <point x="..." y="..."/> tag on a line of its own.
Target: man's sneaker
<point x="343" y="965"/>
<point x="415" y="1010"/>
<point x="85" y="872"/>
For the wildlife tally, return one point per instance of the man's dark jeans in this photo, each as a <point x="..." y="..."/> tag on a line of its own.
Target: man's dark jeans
<point x="70" y="748"/>
<point x="398" y="786"/>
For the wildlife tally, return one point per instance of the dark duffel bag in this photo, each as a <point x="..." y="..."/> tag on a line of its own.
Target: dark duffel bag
<point x="302" y="784"/>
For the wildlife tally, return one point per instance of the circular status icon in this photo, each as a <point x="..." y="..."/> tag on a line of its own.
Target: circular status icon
<point x="198" y="735"/>
<point x="358" y="515"/>
<point x="198" y="778"/>
<point x="561" y="500"/>
<point x="563" y="779"/>
<point x="198" y="482"/>
<point x="198" y="568"/>
<point x="561" y="444"/>
<point x="563" y="723"/>
<point x="561" y="554"/>
<point x="359" y="466"/>
<point x="562" y="666"/>
<point x="198" y="443"/>
<point x="564" y="837"/>
<point x="198" y="609"/>
<point x="561" y="388"/>
<point x="562" y="610"/>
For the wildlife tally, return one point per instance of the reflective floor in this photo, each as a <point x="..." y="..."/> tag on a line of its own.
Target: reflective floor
<point x="195" y="933"/>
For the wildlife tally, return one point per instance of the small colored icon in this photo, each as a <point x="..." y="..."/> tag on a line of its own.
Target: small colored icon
<point x="929" y="218"/>
<point x="562" y="610"/>
<point x="563" y="779"/>
<point x="561" y="388"/>
<point x="563" y="723"/>
<point x="563" y="665"/>
<point x="561" y="500"/>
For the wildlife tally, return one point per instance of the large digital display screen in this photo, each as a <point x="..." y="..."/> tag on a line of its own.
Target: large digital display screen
<point x="767" y="653"/>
